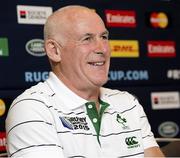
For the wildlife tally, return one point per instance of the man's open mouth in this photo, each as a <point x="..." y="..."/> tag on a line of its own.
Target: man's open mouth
<point x="97" y="63"/>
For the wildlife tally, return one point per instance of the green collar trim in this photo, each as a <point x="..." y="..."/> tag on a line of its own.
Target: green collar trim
<point x="94" y="116"/>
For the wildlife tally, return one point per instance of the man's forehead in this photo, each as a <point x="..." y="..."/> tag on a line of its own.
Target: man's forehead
<point x="91" y="21"/>
<point x="83" y="16"/>
<point x="94" y="33"/>
<point x="81" y="23"/>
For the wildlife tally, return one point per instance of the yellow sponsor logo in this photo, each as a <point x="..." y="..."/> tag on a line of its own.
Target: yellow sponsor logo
<point x="163" y="20"/>
<point x="124" y="48"/>
<point x="2" y="107"/>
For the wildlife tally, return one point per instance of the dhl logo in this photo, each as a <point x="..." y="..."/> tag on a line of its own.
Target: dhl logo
<point x="124" y="48"/>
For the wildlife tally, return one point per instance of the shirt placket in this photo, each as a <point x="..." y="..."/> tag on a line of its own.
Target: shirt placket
<point x="95" y="116"/>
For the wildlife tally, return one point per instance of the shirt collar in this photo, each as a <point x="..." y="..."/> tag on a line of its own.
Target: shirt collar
<point x="71" y="100"/>
<point x="68" y="97"/>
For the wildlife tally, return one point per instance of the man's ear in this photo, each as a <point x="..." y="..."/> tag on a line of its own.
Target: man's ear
<point x="52" y="50"/>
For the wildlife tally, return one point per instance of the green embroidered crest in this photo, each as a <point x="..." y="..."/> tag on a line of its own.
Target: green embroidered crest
<point x="122" y="121"/>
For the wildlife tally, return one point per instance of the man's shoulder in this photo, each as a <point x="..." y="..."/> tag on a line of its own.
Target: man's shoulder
<point x="119" y="98"/>
<point x="32" y="104"/>
<point x="115" y="93"/>
<point x="39" y="91"/>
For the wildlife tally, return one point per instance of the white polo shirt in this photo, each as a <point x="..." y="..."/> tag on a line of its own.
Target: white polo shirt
<point x="49" y="120"/>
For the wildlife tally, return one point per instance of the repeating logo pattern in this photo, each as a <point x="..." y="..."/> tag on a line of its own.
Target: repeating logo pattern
<point x="128" y="32"/>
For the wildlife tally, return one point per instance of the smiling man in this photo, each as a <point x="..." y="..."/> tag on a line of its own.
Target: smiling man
<point x="71" y="114"/>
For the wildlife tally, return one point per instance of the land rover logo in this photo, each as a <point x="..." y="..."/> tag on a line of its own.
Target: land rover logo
<point x="168" y="129"/>
<point x="35" y="47"/>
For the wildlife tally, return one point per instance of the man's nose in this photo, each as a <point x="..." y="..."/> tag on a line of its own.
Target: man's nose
<point x="100" y="47"/>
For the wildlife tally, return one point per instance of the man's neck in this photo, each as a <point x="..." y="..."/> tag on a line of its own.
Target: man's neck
<point x="90" y="94"/>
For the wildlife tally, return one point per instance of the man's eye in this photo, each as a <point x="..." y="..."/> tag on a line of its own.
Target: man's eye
<point x="87" y="38"/>
<point x="105" y="37"/>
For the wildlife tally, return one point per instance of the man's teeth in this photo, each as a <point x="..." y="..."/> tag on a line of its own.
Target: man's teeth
<point x="97" y="64"/>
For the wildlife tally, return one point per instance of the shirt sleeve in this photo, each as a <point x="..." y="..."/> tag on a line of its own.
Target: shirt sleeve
<point x="30" y="130"/>
<point x="147" y="135"/>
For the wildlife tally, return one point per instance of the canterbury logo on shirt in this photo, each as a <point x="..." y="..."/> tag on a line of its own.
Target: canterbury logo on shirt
<point x="74" y="123"/>
<point x="132" y="142"/>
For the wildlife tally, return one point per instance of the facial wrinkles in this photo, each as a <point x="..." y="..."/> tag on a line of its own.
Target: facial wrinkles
<point x="97" y="45"/>
<point x="78" y="23"/>
<point x="98" y="50"/>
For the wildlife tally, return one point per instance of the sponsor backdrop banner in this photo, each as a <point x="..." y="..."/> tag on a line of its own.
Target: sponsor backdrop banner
<point x="145" y="60"/>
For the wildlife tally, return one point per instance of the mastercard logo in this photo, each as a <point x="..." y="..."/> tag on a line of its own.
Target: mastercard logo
<point x="159" y="20"/>
<point x="2" y="107"/>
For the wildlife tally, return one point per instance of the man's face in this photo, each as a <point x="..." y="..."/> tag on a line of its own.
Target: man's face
<point x="85" y="57"/>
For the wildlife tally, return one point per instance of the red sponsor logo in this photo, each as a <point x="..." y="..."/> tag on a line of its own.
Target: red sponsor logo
<point x="159" y="20"/>
<point x="22" y="13"/>
<point x="2" y="141"/>
<point x="119" y="18"/>
<point x="161" y="49"/>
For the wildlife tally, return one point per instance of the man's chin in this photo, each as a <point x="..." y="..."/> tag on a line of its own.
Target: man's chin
<point x="100" y="83"/>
